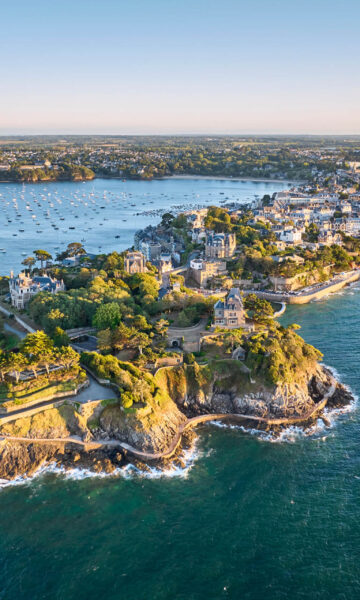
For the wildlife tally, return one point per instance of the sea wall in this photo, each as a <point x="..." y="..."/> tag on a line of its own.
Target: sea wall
<point x="310" y="296"/>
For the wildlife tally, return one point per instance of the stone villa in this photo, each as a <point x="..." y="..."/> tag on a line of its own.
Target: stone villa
<point x="202" y="271"/>
<point x="220" y="245"/>
<point x="23" y="287"/>
<point x="230" y="313"/>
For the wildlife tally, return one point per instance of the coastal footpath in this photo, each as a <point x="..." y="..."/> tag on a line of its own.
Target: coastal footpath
<point x="102" y="436"/>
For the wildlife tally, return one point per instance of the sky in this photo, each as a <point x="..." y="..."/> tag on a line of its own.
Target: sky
<point x="179" y="66"/>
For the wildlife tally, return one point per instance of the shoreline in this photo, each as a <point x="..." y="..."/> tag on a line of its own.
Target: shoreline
<point x="104" y="456"/>
<point x="227" y="178"/>
<point x="166" y="177"/>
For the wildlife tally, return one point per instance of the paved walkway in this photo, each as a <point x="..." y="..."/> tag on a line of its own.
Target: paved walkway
<point x="191" y="335"/>
<point x="17" y="332"/>
<point x="177" y="439"/>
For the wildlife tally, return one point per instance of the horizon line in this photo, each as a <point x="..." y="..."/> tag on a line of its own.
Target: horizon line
<point x="184" y="134"/>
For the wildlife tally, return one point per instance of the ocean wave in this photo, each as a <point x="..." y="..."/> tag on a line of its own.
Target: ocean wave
<point x="290" y="434"/>
<point x="129" y="471"/>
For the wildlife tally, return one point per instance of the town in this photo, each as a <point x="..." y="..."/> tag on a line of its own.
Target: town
<point x="313" y="159"/>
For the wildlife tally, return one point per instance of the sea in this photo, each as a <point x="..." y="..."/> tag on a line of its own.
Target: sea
<point x="104" y="214"/>
<point x="250" y="517"/>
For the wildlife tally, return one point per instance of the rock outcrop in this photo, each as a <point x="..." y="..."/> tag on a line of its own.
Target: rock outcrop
<point x="223" y="387"/>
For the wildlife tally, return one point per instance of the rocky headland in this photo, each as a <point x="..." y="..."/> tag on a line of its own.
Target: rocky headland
<point x="162" y="428"/>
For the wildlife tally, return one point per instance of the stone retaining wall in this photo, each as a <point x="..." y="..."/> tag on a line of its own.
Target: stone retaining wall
<point x="17" y="407"/>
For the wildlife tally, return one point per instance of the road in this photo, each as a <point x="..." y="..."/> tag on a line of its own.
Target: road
<point x="17" y="332"/>
<point x="93" y="392"/>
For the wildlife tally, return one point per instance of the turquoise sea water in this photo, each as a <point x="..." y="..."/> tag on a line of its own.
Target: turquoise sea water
<point x="251" y="519"/>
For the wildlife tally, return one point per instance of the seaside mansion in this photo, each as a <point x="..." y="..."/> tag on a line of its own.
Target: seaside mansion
<point x="23" y="288"/>
<point x="229" y="313"/>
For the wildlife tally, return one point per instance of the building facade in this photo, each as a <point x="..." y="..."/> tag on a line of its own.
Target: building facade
<point x="220" y="245"/>
<point x="23" y="288"/>
<point x="151" y="250"/>
<point x="202" y="271"/>
<point x="134" y="262"/>
<point x="229" y="313"/>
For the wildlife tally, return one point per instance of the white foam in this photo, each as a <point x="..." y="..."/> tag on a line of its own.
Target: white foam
<point x="293" y="433"/>
<point x="189" y="457"/>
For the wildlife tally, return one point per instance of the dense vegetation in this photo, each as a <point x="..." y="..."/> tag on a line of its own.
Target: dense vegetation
<point x="37" y="366"/>
<point x="63" y="172"/>
<point x="135" y="386"/>
<point x="279" y="355"/>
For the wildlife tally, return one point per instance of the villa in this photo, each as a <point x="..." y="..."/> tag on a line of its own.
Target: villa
<point x="230" y="313"/>
<point x="220" y="245"/>
<point x="23" y="288"/>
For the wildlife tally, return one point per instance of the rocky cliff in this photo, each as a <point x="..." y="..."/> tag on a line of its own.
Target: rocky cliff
<point x="227" y="387"/>
<point x="223" y="387"/>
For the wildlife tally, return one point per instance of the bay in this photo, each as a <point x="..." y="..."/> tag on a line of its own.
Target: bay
<point x="104" y="214"/>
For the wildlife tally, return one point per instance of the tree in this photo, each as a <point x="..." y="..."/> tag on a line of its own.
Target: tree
<point x="122" y="335"/>
<point x="161" y="327"/>
<point x="107" y="316"/>
<point x="233" y="337"/>
<point x="104" y="340"/>
<point x="75" y="249"/>
<point x="127" y="399"/>
<point x="142" y="341"/>
<point x="312" y="232"/>
<point x="261" y="310"/>
<point x="38" y="346"/>
<point x="42" y="256"/>
<point x="67" y="356"/>
<point x="4" y="365"/>
<point x="29" y="262"/>
<point x="167" y="219"/>
<point x="60" y="337"/>
<point x="16" y="363"/>
<point x="189" y="358"/>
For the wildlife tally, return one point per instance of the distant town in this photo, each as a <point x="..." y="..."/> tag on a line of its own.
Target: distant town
<point x="50" y="158"/>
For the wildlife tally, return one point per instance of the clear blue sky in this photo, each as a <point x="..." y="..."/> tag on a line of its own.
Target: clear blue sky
<point x="179" y="66"/>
